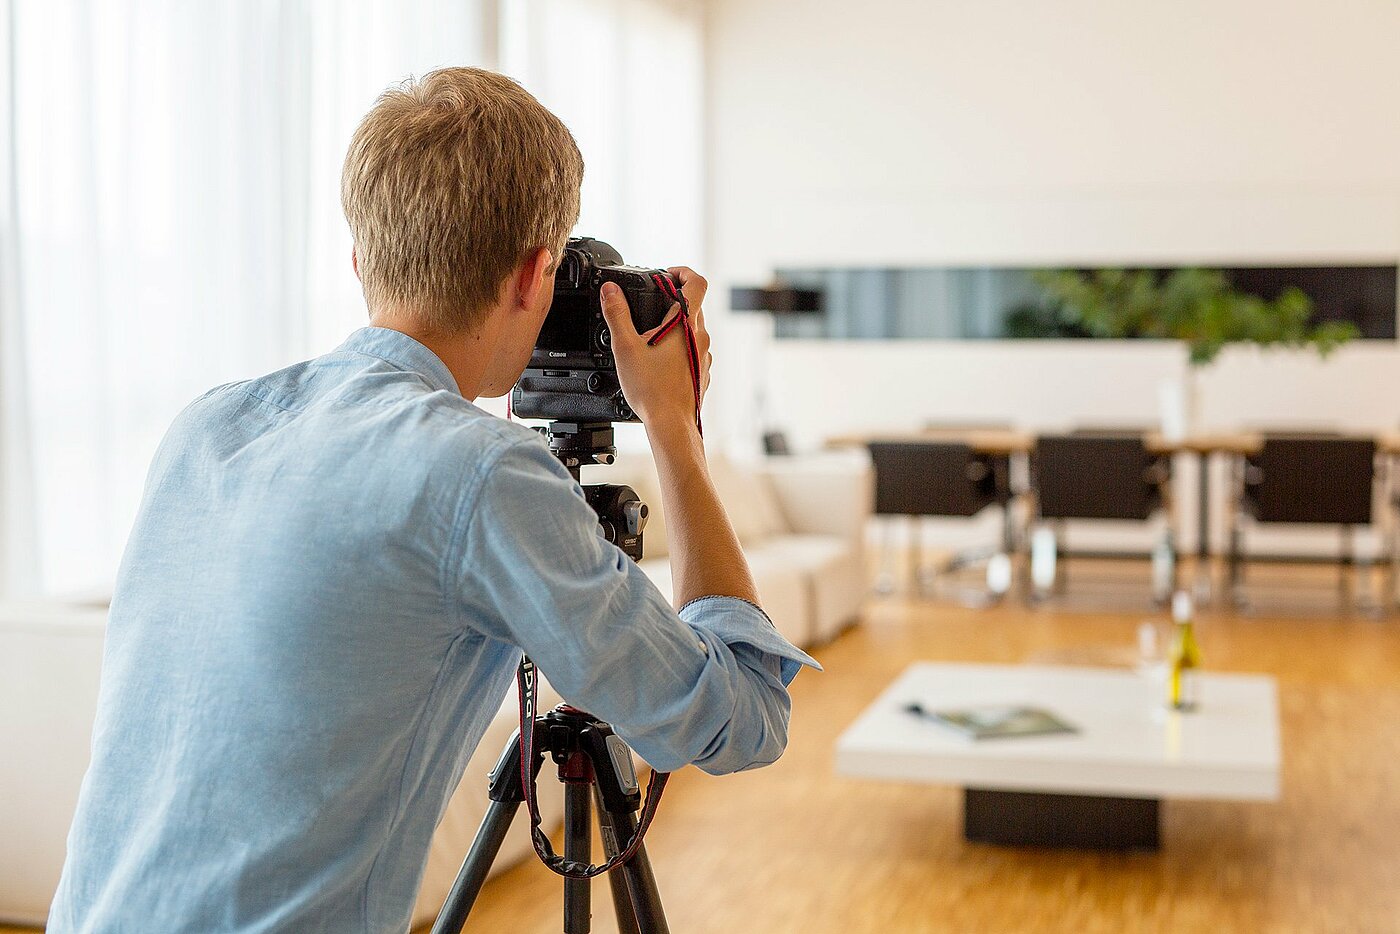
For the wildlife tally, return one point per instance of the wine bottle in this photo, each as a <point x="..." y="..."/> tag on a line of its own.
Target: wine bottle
<point x="1185" y="656"/>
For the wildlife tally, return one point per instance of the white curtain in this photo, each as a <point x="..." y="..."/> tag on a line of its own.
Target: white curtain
<point x="170" y="217"/>
<point x="175" y="166"/>
<point x="626" y="76"/>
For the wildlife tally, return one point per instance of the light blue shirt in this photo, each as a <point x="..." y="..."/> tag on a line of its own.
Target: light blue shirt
<point x="324" y="597"/>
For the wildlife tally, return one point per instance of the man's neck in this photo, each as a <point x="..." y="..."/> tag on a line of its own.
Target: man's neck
<point x="466" y="354"/>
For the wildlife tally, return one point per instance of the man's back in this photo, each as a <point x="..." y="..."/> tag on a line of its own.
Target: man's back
<point x="320" y="608"/>
<point x="280" y="614"/>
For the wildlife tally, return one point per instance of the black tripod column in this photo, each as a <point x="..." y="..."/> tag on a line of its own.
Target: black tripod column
<point x="647" y="913"/>
<point x="577" y="775"/>
<point x="617" y="880"/>
<point x="475" y="868"/>
<point x="506" y="795"/>
<point x="592" y="761"/>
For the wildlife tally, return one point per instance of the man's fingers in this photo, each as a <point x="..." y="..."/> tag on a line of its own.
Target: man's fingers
<point x="670" y="314"/>
<point x="618" y="315"/>
<point x="693" y="285"/>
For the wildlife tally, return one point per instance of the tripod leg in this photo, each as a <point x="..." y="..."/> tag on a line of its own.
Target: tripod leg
<point x="622" y="900"/>
<point x="641" y="883"/>
<point x="475" y="868"/>
<point x="578" y="845"/>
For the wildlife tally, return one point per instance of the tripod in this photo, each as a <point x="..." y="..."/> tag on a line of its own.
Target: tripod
<point x="595" y="767"/>
<point x="594" y="764"/>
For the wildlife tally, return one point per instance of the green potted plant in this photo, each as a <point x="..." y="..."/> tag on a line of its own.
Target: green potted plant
<point x="1195" y="306"/>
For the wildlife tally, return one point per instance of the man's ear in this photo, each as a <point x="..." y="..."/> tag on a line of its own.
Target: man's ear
<point x="533" y="277"/>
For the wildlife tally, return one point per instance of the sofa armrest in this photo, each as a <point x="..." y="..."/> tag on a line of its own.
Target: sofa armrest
<point x="824" y="494"/>
<point x="50" y="667"/>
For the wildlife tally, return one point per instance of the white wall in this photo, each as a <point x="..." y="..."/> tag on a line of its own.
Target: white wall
<point x="1087" y="130"/>
<point x="1082" y="131"/>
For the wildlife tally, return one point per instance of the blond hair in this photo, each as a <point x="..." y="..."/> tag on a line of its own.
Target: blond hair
<point x="451" y="179"/>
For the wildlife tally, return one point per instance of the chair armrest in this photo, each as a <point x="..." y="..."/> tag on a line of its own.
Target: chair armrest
<point x="823" y="494"/>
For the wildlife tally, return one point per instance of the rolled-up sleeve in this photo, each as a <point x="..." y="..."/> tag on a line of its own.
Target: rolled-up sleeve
<point x="706" y="686"/>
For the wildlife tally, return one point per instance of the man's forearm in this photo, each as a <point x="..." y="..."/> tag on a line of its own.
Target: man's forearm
<point x="705" y="555"/>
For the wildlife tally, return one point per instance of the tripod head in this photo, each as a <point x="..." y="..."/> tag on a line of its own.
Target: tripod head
<point x="578" y="444"/>
<point x="621" y="513"/>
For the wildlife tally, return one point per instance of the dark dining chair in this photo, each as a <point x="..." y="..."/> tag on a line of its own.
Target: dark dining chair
<point x="1098" y="475"/>
<point x="935" y="478"/>
<point x="1304" y="479"/>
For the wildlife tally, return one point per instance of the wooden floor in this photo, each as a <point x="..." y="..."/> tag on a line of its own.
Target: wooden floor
<point x="795" y="847"/>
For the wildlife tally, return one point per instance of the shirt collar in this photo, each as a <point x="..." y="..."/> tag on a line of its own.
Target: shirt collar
<point x="399" y="350"/>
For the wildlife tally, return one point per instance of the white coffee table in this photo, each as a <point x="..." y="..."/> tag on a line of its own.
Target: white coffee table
<point x="1100" y="787"/>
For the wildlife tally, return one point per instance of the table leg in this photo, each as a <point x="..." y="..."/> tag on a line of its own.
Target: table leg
<point x="1019" y="818"/>
<point x="1001" y="468"/>
<point x="1234" y="557"/>
<point x="1203" y="584"/>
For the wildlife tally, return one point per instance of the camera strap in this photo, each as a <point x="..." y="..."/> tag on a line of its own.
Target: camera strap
<point x="528" y="682"/>
<point x="682" y="319"/>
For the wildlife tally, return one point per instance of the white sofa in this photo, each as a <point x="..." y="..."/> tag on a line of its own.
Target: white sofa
<point x="50" y="654"/>
<point x="801" y="522"/>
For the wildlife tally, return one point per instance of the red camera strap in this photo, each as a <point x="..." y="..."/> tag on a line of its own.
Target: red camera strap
<point x="527" y="683"/>
<point x="667" y="285"/>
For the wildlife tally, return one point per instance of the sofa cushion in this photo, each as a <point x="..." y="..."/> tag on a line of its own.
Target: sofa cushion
<point x="833" y="571"/>
<point x="50" y="663"/>
<point x="748" y="499"/>
<point x="823" y="494"/>
<point x="782" y="592"/>
<point x="808" y="552"/>
<point x="747" y="495"/>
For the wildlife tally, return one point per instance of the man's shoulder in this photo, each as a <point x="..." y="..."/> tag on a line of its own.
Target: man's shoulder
<point x="471" y="432"/>
<point x="433" y="429"/>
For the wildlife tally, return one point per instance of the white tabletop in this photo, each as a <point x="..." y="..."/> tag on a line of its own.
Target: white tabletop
<point x="1128" y="744"/>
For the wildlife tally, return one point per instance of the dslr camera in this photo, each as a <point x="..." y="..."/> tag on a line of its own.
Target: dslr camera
<point x="572" y="375"/>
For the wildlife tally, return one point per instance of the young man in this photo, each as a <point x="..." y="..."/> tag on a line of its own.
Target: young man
<point x="337" y="566"/>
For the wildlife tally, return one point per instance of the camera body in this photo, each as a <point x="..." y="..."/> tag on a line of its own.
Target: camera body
<point x="572" y="374"/>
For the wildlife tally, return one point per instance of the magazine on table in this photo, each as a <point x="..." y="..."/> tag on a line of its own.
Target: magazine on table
<point x="994" y="721"/>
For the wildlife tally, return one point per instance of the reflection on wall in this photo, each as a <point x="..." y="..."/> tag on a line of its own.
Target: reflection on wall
<point x="1010" y="302"/>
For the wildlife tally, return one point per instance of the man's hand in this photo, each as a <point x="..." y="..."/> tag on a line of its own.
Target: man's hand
<point x="705" y="554"/>
<point x="656" y="380"/>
